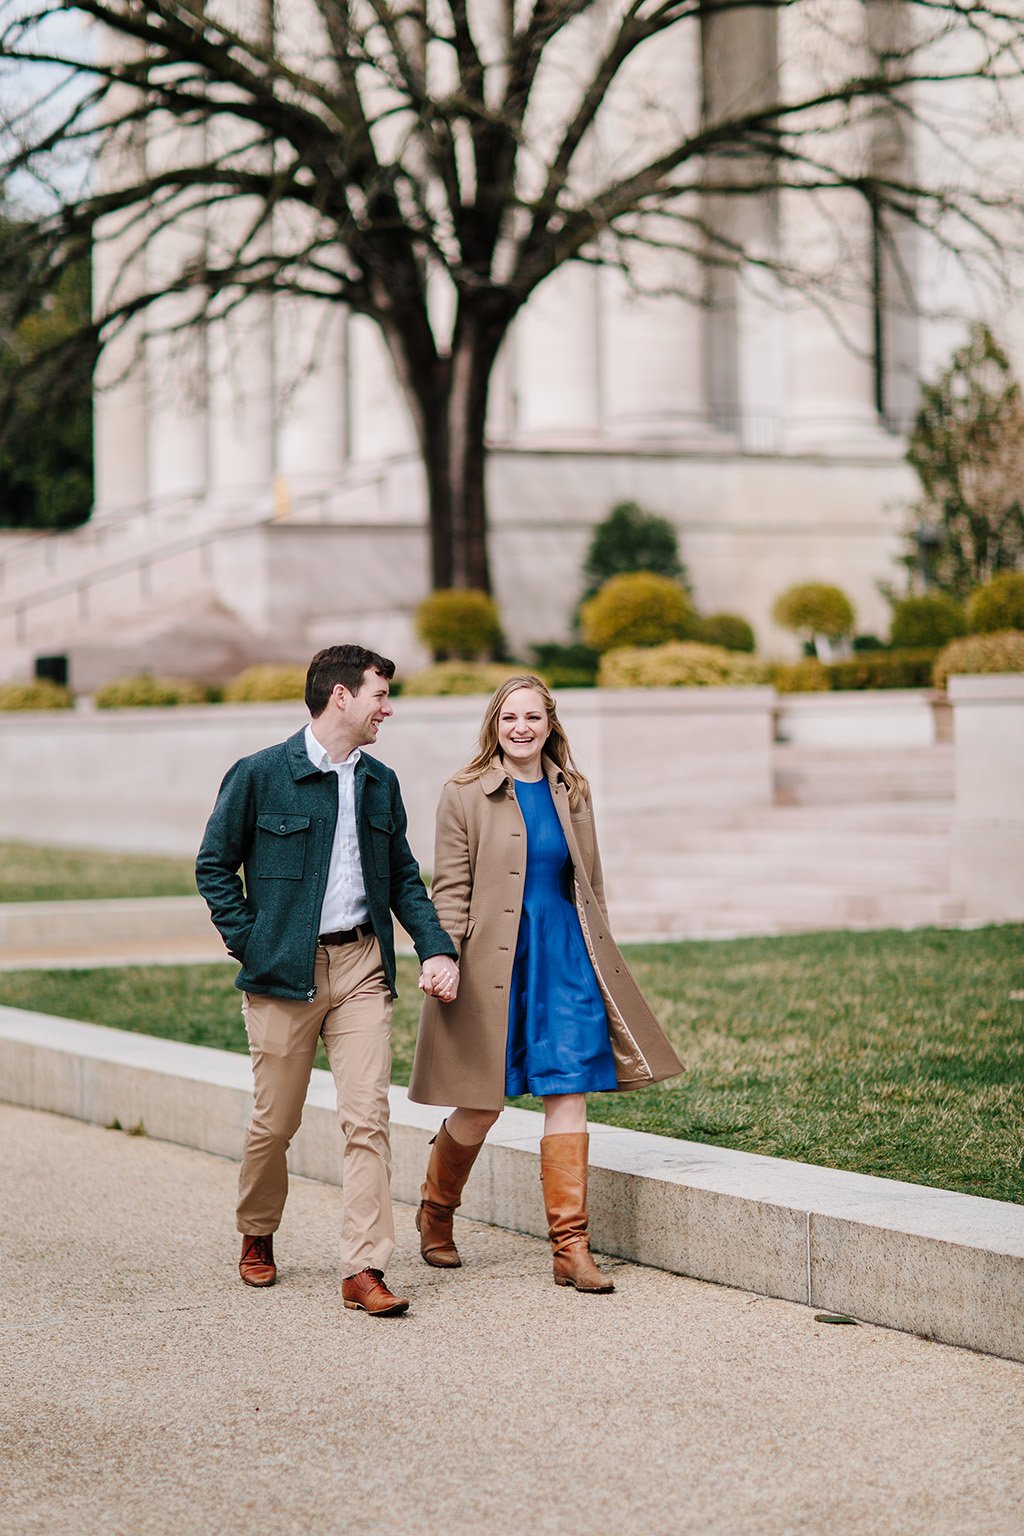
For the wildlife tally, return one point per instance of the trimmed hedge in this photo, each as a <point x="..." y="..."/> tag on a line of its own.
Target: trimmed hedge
<point x="806" y="676"/>
<point x="929" y="620"/>
<point x="882" y="669"/>
<point x="815" y="608"/>
<point x="680" y="664"/>
<point x="39" y="694"/>
<point x="267" y="684"/>
<point x="639" y="609"/>
<point x="458" y="677"/>
<point x="728" y="630"/>
<point x="998" y="606"/>
<point x="977" y="654"/>
<point x="461" y="622"/>
<point x="149" y="693"/>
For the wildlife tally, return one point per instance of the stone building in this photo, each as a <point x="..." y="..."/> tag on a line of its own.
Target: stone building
<point x="258" y="489"/>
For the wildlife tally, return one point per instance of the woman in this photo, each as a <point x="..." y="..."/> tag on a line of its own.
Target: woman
<point x="545" y="1004"/>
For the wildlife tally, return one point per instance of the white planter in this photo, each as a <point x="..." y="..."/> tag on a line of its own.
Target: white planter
<point x="884" y="717"/>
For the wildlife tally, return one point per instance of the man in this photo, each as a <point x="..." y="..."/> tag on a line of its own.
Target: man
<point x="319" y="829"/>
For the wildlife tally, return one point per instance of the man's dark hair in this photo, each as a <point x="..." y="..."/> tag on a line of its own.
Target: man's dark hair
<point x="343" y="664"/>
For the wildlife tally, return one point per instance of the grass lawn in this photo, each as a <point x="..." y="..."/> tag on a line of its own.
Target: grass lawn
<point x="28" y="873"/>
<point x="900" y="1054"/>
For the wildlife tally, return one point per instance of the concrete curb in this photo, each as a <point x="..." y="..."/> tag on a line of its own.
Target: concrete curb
<point x="923" y="1260"/>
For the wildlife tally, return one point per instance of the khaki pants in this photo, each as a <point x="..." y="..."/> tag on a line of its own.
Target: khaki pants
<point x="351" y="1012"/>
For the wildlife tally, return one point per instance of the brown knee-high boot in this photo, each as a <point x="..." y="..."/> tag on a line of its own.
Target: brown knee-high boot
<point x="447" y="1171"/>
<point x="563" y="1175"/>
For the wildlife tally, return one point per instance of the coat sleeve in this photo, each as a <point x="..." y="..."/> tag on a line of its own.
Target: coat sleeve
<point x="222" y="853"/>
<point x="453" y="865"/>
<point x="408" y="896"/>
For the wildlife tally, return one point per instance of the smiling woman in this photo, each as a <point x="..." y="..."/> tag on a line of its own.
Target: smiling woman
<point x="545" y="1003"/>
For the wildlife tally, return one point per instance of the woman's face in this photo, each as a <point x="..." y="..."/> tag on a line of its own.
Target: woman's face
<point x="522" y="731"/>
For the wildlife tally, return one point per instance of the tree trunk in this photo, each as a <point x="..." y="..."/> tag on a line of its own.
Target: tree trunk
<point x="449" y="408"/>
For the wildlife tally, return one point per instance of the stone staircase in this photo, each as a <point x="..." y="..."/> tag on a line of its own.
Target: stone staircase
<point x="855" y="839"/>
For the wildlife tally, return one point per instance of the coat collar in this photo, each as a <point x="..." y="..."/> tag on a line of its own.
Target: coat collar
<point x="496" y="775"/>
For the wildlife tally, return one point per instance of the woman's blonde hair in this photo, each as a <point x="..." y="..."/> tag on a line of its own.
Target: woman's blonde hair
<point x="556" y="747"/>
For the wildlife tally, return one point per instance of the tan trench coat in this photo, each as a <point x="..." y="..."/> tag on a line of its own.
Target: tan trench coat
<point x="479" y="874"/>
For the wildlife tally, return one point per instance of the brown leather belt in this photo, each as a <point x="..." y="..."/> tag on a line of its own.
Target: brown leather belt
<point x="346" y="935"/>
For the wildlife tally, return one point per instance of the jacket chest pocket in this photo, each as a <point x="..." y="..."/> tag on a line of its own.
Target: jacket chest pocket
<point x="281" y="846"/>
<point x="381" y="830"/>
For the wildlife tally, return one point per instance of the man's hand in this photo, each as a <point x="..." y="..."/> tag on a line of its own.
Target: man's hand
<point x="439" y="977"/>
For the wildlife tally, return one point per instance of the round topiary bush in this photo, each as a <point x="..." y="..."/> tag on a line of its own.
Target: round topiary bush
<point x="41" y="693"/>
<point x="933" y="619"/>
<point x="456" y="622"/>
<point x="727" y="630"/>
<point x="980" y="653"/>
<point x="807" y="676"/>
<point x="458" y="677"/>
<point x="998" y="605"/>
<point x="636" y="609"/>
<point x="266" y="684"/>
<point x="679" y="664"/>
<point x="148" y="692"/>
<point x="813" y="609"/>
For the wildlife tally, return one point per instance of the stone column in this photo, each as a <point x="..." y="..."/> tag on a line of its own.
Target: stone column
<point x="827" y="235"/>
<point x="176" y="344"/>
<point x="119" y="413"/>
<point x="653" y="357"/>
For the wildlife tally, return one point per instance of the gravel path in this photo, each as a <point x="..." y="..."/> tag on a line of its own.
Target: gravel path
<point x="146" y="1392"/>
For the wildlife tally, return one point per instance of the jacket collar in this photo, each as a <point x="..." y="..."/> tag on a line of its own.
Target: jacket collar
<point x="302" y="768"/>
<point x="496" y="774"/>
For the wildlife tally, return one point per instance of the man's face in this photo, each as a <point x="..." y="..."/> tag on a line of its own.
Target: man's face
<point x="368" y="708"/>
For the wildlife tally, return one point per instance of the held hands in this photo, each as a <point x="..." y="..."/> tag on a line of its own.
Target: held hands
<point x="439" y="977"/>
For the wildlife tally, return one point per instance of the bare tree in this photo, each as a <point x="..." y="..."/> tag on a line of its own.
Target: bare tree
<point x="429" y="163"/>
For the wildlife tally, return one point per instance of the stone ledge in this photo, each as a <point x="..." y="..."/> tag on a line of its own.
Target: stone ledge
<point x="923" y="1260"/>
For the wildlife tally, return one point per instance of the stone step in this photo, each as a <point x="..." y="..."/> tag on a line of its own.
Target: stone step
<point x="818" y="776"/>
<point x="746" y="912"/>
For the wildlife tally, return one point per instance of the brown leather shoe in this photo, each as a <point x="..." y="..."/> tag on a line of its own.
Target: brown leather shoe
<point x="448" y="1169"/>
<point x="256" y="1266"/>
<point x="563" y="1173"/>
<point x="366" y="1292"/>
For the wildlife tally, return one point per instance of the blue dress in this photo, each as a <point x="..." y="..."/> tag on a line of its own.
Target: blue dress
<point x="557" y="1025"/>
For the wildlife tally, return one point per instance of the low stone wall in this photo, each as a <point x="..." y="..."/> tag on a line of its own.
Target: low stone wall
<point x="145" y="779"/>
<point x="883" y="717"/>
<point x="988" y="830"/>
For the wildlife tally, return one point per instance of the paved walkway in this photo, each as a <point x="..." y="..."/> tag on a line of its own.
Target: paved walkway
<point x="145" y="1392"/>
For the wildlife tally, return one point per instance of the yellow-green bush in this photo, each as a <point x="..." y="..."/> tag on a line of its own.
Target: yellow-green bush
<point x="726" y="629"/>
<point x="39" y="694"/>
<point x="998" y="605"/>
<point x="926" y="619"/>
<point x="815" y="608"/>
<point x="266" y="684"/>
<point x="148" y="692"/>
<point x="637" y="609"/>
<point x="806" y="676"/>
<point x="680" y="664"/>
<point x="454" y="677"/>
<point x="459" y="622"/>
<point x="980" y="653"/>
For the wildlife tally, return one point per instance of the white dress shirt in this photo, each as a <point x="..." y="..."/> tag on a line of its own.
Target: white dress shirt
<point x="345" y="897"/>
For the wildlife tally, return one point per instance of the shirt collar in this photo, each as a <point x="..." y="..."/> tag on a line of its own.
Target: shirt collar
<point x="321" y="758"/>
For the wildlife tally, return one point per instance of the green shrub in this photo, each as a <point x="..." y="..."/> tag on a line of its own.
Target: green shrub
<point x="680" y="664"/>
<point x="630" y="539"/>
<point x="998" y="605"/>
<point x="457" y="677"/>
<point x="814" y="608"/>
<point x="867" y="643"/>
<point x="266" y="684"/>
<point x="636" y="609"/>
<point x="39" y="694"/>
<point x="460" y="623"/>
<point x="728" y="630"/>
<point x="883" y="669"/>
<point x="566" y="666"/>
<point x="980" y="653"/>
<point x="933" y="619"/>
<point x="806" y="676"/>
<point x="148" y="692"/>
